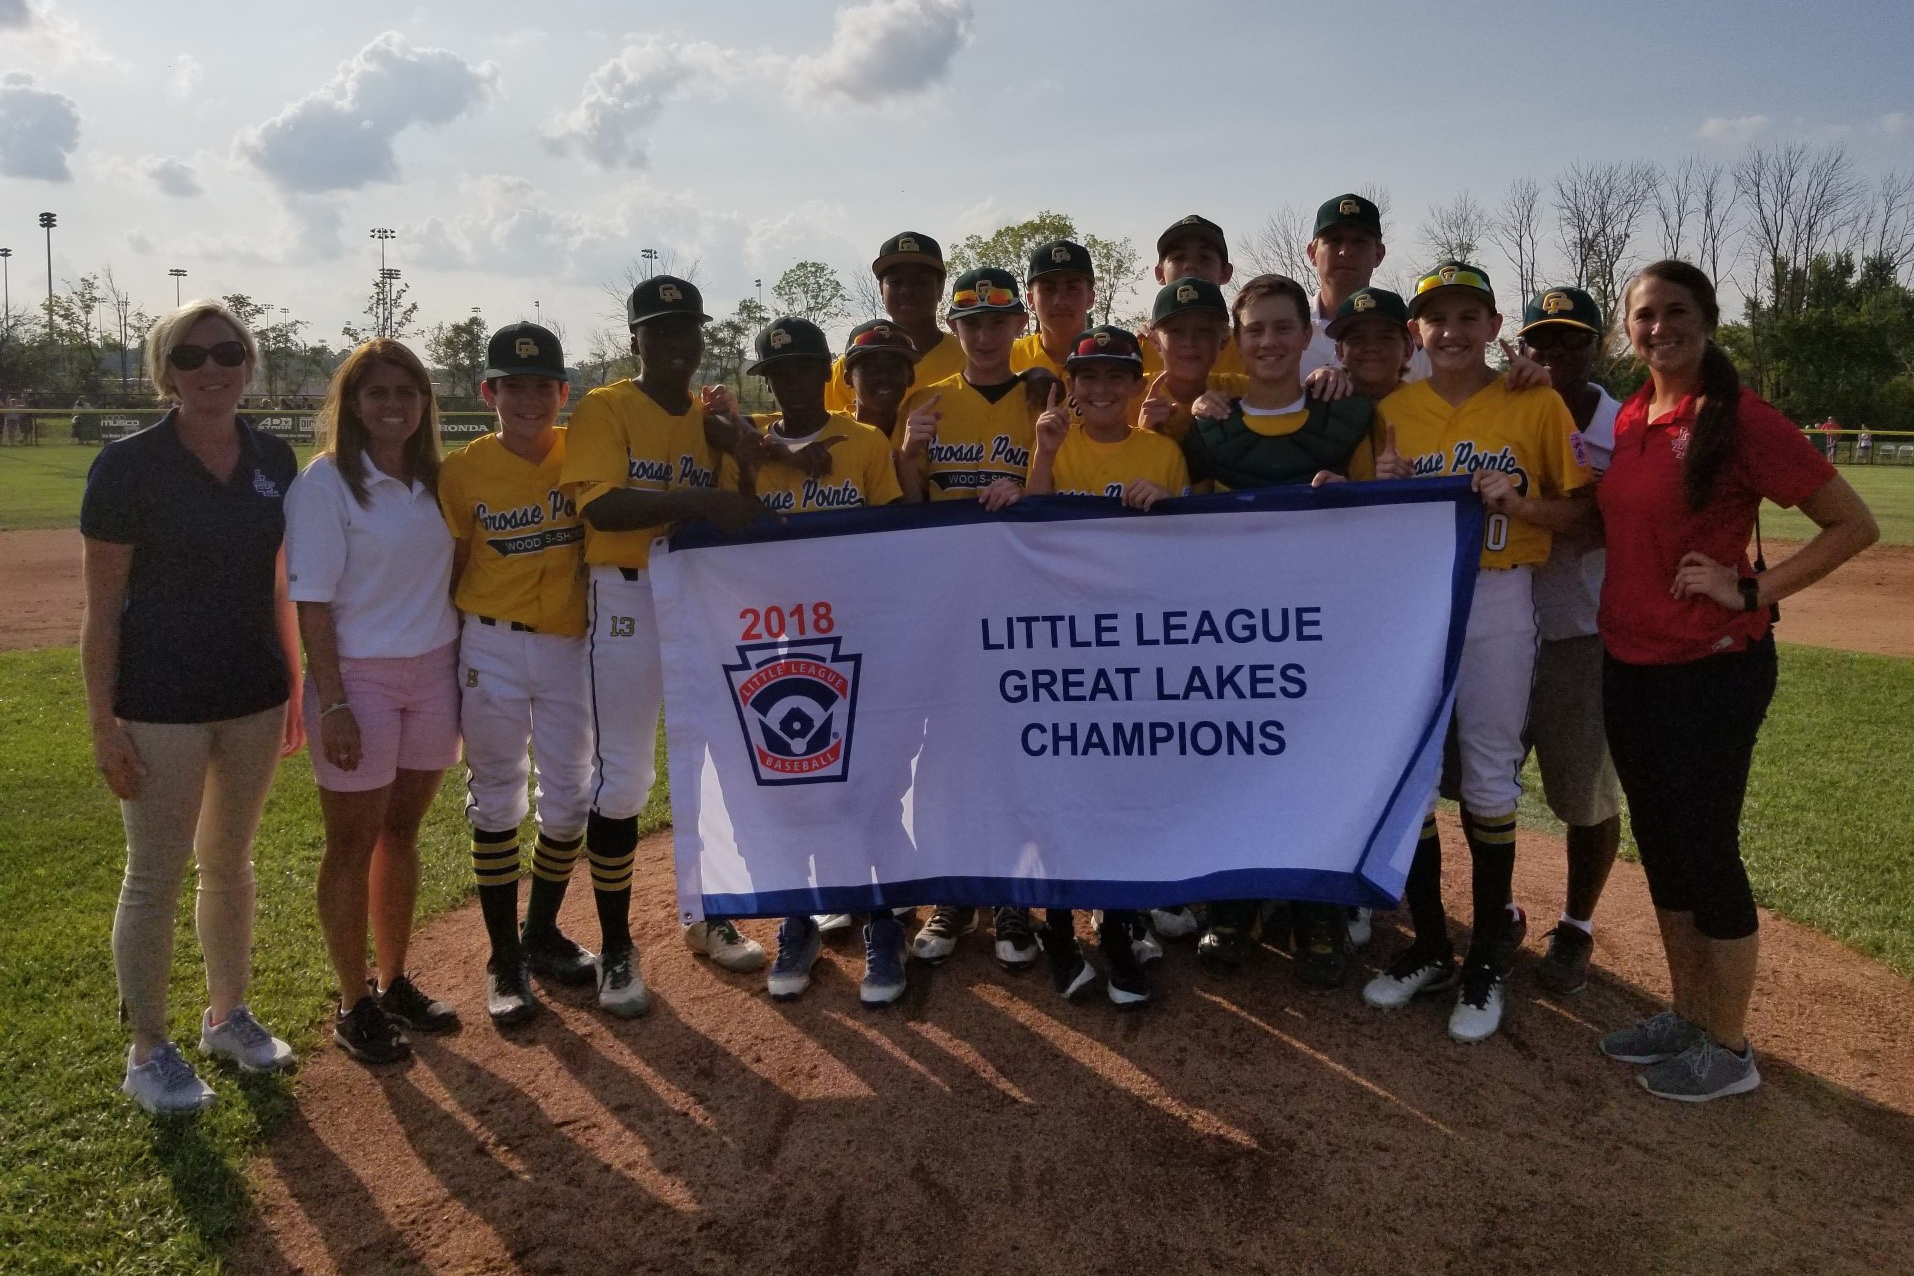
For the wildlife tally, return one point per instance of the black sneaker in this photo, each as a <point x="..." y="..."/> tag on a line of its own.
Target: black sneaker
<point x="368" y="1034"/>
<point x="1069" y="972"/>
<point x="1016" y="945"/>
<point x="403" y="1001"/>
<point x="1123" y="977"/>
<point x="1564" y="968"/>
<point x="938" y="939"/>
<point x="508" y="993"/>
<point x="557" y="956"/>
<point x="1322" y="947"/>
<point x="1224" y="947"/>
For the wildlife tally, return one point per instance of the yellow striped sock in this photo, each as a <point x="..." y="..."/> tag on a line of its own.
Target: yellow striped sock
<point x="494" y="862"/>
<point x="553" y="860"/>
<point x="612" y="873"/>
<point x="1493" y="830"/>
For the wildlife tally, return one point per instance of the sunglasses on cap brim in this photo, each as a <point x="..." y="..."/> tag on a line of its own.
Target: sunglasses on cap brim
<point x="971" y="298"/>
<point x="227" y="354"/>
<point x="1460" y="279"/>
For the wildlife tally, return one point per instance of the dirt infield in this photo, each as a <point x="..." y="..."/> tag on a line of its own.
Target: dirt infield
<point x="985" y="1126"/>
<point x="1866" y="606"/>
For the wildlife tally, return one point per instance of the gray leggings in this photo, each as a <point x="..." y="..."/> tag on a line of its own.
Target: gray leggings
<point x="201" y="798"/>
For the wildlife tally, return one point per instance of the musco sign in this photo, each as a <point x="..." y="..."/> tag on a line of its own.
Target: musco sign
<point x="796" y="704"/>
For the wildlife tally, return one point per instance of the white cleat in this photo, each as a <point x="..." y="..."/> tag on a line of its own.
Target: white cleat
<point x="724" y="944"/>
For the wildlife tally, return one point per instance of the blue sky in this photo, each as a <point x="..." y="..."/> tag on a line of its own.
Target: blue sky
<point x="529" y="151"/>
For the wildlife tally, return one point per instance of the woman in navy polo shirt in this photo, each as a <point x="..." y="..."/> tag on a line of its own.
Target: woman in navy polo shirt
<point x="189" y="652"/>
<point x="1690" y="664"/>
<point x="370" y="569"/>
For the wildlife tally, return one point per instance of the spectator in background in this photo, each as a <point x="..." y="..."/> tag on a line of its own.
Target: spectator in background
<point x="1830" y="436"/>
<point x="1690" y="665"/>
<point x="1863" y="445"/>
<point x="189" y="655"/>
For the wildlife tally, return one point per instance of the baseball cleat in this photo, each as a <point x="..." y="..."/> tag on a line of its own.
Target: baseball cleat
<point x="1173" y="923"/>
<point x="1016" y="939"/>
<point x="555" y="955"/>
<point x="832" y="923"/>
<point x="938" y="939"/>
<point x="1478" y="1008"/>
<point x="724" y="944"/>
<point x="1417" y="972"/>
<point x="798" y="946"/>
<point x="621" y="991"/>
<point x="508" y="994"/>
<point x="884" y="950"/>
<point x="1070" y="974"/>
<point x="1124" y="977"/>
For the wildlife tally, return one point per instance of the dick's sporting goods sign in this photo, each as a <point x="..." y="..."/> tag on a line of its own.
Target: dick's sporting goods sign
<point x="1066" y="705"/>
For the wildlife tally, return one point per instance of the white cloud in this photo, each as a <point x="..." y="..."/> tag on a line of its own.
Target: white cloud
<point x="1732" y="129"/>
<point x="173" y="176"/>
<point x="339" y="137"/>
<point x="39" y="129"/>
<point x="1896" y="123"/>
<point x="185" y="78"/>
<point x="51" y="37"/>
<point x="14" y="15"/>
<point x="624" y="98"/>
<point x="886" y="49"/>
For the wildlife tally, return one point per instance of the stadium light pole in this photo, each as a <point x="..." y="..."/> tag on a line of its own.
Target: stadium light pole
<point x="650" y="256"/>
<point x="760" y="284"/>
<point x="47" y="222"/>
<point x="6" y="290"/>
<point x="177" y="275"/>
<point x="388" y="275"/>
<point x="382" y="234"/>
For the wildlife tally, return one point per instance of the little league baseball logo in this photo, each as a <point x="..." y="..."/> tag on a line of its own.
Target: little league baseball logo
<point x="796" y="704"/>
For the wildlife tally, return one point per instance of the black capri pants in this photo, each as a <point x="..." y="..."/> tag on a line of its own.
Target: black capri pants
<point x="1683" y="737"/>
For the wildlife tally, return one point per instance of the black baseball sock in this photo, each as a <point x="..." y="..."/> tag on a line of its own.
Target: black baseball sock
<point x="1423" y="892"/>
<point x="612" y="847"/>
<point x="495" y="863"/>
<point x="552" y="862"/>
<point x="1492" y="879"/>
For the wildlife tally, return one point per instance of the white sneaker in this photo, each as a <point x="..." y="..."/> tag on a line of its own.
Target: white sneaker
<point x="724" y="944"/>
<point x="1478" y="1008"/>
<point x="1361" y="928"/>
<point x="245" y="1041"/>
<point x="1173" y="923"/>
<point x="832" y="923"/>
<point x="621" y="991"/>
<point x="166" y="1084"/>
<point x="1414" y="973"/>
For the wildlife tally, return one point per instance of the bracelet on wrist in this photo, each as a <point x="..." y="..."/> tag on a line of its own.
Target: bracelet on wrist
<point x="334" y="708"/>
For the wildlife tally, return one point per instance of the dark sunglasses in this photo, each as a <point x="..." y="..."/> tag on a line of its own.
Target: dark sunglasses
<point x="227" y="354"/>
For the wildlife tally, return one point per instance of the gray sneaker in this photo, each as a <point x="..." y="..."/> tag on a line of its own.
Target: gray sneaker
<point x="1654" y="1039"/>
<point x="245" y="1041"/>
<point x="1702" y="1072"/>
<point x="166" y="1084"/>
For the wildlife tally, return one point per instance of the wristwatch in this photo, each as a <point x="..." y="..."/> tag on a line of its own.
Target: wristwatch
<point x="1750" y="593"/>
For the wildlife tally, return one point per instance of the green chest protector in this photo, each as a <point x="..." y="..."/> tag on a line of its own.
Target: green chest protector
<point x="1237" y="457"/>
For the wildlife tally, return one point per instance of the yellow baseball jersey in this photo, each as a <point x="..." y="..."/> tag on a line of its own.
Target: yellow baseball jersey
<point x="1229" y="359"/>
<point x="1027" y="352"/>
<point x="526" y="560"/>
<point x="1085" y="467"/>
<point x="862" y="471"/>
<point x="620" y="437"/>
<point x="1527" y="434"/>
<point x="1233" y="384"/>
<point x="945" y="359"/>
<point x="977" y="441"/>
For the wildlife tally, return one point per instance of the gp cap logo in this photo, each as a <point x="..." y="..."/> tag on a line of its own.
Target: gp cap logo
<point x="780" y="337"/>
<point x="1556" y="303"/>
<point x="1060" y="253"/>
<point x="1191" y="220"/>
<point x="1186" y="292"/>
<point x="1446" y="274"/>
<point x="525" y="348"/>
<point x="1103" y="338"/>
<point x="669" y="292"/>
<point x="1348" y="206"/>
<point x="905" y="244"/>
<point x="1363" y="301"/>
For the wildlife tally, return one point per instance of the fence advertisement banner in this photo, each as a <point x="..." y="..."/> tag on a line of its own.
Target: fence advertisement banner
<point x="1066" y="705"/>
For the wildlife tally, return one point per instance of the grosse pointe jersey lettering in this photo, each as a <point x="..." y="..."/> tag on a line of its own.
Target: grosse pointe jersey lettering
<point x="1085" y="467"/>
<point x="620" y="437"/>
<point x="862" y="471"/>
<point x="526" y="559"/>
<point x="945" y="359"/>
<point x="977" y="441"/>
<point x="1527" y="434"/>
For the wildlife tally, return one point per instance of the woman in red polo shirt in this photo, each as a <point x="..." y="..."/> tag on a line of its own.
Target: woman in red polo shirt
<point x="1691" y="662"/>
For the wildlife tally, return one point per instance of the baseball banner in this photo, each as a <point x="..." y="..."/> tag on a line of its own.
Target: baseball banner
<point x="1065" y="705"/>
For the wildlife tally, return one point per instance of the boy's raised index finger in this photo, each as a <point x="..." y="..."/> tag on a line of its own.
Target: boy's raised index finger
<point x="1156" y="384"/>
<point x="1054" y="390"/>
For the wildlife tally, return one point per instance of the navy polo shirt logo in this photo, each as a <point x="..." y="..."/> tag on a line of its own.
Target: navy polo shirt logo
<point x="265" y="486"/>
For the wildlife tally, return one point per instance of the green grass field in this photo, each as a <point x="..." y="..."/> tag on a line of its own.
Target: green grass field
<point x="89" y="1184"/>
<point x="41" y="487"/>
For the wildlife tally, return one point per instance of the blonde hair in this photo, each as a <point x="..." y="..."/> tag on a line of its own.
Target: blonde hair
<point x="346" y="435"/>
<point x="169" y="334"/>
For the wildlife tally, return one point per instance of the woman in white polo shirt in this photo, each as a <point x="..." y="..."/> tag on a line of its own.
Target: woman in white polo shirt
<point x="369" y="563"/>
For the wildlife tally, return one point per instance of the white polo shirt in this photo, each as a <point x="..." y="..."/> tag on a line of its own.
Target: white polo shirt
<point x="1322" y="347"/>
<point x="1568" y="587"/>
<point x="385" y="566"/>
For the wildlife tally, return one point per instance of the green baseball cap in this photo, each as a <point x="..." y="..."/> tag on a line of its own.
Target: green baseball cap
<point x="1452" y="274"/>
<point x="1105" y="343"/>
<point x="1200" y="227"/>
<point x="1187" y="293"/>
<point x="878" y="336"/>
<point x="664" y="295"/>
<point x="1349" y="210"/>
<point x="1365" y="303"/>
<point x="908" y="248"/>
<point x="524" y="350"/>
<point x="984" y="290"/>
<point x="790" y="338"/>
<point x="1059" y="256"/>
<point x="1569" y="307"/>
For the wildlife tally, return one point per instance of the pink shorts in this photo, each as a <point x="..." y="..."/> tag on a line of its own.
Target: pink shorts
<point x="408" y="715"/>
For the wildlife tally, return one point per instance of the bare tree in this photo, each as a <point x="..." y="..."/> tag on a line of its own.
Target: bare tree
<point x="1454" y="230"/>
<point x="1281" y="245"/>
<point x="1516" y="228"/>
<point x="1715" y="199"/>
<point x="1886" y="226"/>
<point x="1801" y="203"/>
<point x="1597" y="210"/>
<point x="866" y="298"/>
<point x="635" y="271"/>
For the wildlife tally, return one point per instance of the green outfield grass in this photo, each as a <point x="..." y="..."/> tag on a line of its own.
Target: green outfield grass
<point x="88" y="1183"/>
<point x="1888" y="491"/>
